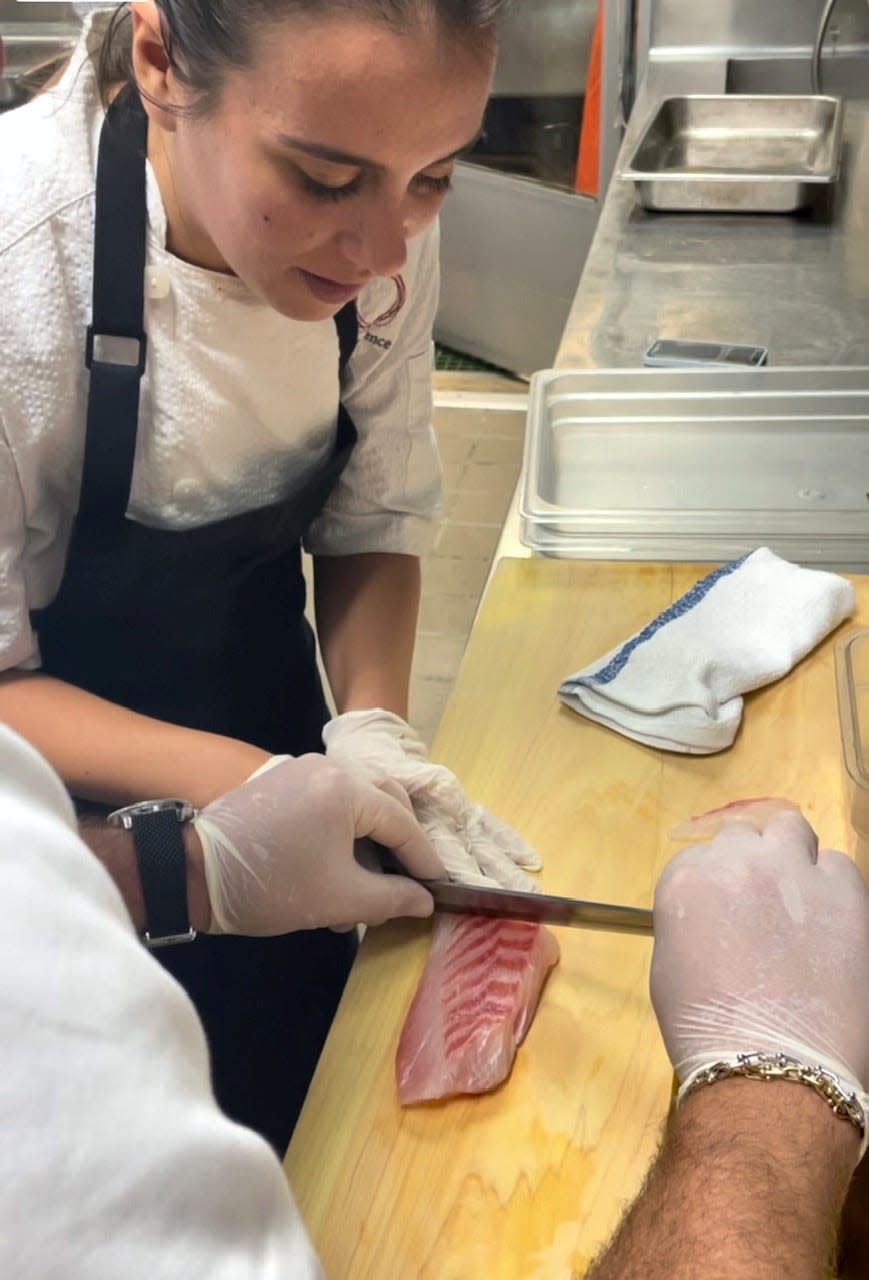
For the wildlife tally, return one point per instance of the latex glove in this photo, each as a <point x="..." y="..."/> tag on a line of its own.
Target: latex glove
<point x="759" y="949"/>
<point x="279" y="851"/>
<point x="473" y="845"/>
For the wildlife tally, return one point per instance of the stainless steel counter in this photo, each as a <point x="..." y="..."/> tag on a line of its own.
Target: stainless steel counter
<point x="797" y="286"/>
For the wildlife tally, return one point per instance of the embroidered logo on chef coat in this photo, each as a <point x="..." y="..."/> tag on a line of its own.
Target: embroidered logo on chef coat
<point x="383" y="343"/>
<point x="386" y="317"/>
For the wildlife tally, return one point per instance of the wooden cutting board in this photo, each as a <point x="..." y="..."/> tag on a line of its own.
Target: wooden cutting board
<point x="529" y="1182"/>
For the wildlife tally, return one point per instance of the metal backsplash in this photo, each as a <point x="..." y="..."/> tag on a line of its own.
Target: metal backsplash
<point x="30" y="11"/>
<point x="739" y="26"/>
<point x="544" y="47"/>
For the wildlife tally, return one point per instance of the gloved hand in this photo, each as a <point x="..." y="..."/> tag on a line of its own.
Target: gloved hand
<point x="279" y="851"/>
<point x="758" y="949"/>
<point x="473" y="845"/>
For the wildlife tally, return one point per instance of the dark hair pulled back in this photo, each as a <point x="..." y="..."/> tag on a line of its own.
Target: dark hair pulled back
<point x="205" y="39"/>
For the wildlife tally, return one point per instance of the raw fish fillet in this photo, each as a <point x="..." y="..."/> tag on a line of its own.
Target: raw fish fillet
<point x="475" y="1002"/>
<point x="757" y="812"/>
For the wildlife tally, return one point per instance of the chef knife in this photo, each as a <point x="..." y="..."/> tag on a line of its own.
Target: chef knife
<point x="511" y="904"/>
<point x="539" y="908"/>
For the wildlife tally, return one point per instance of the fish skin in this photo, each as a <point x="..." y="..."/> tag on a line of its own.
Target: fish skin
<point x="757" y="811"/>
<point x="474" y="1004"/>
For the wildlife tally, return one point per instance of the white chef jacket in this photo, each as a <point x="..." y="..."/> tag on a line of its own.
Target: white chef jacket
<point x="238" y="403"/>
<point x="115" y="1160"/>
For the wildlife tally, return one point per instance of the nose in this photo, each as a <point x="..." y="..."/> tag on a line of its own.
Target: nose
<point x="377" y="240"/>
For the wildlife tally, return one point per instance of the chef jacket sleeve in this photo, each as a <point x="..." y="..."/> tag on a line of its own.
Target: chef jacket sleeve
<point x="17" y="642"/>
<point x="115" y="1158"/>
<point x="388" y="497"/>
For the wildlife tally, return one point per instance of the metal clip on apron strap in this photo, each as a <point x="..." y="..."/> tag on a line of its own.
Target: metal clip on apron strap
<point x="116" y="343"/>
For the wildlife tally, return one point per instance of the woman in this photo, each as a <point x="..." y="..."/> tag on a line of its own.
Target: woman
<point x="176" y="335"/>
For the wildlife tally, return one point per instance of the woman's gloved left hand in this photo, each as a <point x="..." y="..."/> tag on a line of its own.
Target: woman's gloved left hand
<point x="474" y="845"/>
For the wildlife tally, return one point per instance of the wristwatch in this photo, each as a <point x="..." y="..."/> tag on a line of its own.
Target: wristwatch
<point x="156" y="828"/>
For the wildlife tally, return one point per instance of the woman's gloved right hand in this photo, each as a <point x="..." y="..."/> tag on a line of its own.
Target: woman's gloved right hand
<point x="278" y="851"/>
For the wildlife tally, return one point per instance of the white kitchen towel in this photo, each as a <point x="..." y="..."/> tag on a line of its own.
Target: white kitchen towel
<point x="678" y="683"/>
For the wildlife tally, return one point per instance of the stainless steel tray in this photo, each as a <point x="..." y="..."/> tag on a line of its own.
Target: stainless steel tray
<point x="736" y="153"/>
<point x="650" y="464"/>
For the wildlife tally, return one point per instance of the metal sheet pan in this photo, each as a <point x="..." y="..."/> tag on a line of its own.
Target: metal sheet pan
<point x="698" y="465"/>
<point x="739" y="153"/>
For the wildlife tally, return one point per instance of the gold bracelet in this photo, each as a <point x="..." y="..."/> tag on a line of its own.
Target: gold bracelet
<point x="780" y="1066"/>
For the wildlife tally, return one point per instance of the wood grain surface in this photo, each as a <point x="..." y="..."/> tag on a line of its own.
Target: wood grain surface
<point x="529" y="1181"/>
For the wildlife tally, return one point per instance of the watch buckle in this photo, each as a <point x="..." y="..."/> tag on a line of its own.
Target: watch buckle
<point x="168" y="940"/>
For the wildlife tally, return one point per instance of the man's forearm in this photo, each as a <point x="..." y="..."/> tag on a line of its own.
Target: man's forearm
<point x="749" y="1185"/>
<point x="113" y="846"/>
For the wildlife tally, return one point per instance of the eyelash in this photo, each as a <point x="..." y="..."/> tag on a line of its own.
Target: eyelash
<point x="320" y="191"/>
<point x="439" y="186"/>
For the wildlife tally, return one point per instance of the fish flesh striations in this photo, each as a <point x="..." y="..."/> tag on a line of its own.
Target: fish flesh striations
<point x="474" y="1003"/>
<point x="482" y="983"/>
<point x="758" y="812"/>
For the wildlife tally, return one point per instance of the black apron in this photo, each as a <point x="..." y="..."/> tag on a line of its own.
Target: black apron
<point x="203" y="628"/>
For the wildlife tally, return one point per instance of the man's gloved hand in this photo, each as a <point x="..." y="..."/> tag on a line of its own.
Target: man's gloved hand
<point x="758" y="949"/>
<point x="474" y="845"/>
<point x="279" y="851"/>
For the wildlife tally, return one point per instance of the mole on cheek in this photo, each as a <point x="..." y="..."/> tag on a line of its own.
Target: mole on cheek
<point x="267" y="217"/>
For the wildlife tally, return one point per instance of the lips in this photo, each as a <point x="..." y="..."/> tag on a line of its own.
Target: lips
<point x="326" y="290"/>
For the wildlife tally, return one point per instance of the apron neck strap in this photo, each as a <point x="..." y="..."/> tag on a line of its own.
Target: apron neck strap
<point x="120" y="220"/>
<point x="116" y="344"/>
<point x="347" y="324"/>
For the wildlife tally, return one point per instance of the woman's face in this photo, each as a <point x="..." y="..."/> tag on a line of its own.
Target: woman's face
<point x="321" y="160"/>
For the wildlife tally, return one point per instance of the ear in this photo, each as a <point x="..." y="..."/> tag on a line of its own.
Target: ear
<point x="151" y="66"/>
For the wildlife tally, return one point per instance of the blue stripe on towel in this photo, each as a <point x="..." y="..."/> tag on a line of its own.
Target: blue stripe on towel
<point x="675" y="610"/>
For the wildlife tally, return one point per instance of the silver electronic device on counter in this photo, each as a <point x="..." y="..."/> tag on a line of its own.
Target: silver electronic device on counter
<point x="682" y="353"/>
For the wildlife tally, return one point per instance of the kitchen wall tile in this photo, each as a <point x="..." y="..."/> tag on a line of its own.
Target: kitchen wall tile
<point x="427" y="701"/>
<point x="437" y="655"/>
<point x="487" y="477"/>
<point x="450" y="614"/>
<point x="500" y="448"/>
<point x="453" y="575"/>
<point x="474" y="541"/>
<point x="456" y="447"/>
<point x="477" y="506"/>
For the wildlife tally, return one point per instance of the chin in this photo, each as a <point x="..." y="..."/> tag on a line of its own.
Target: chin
<point x="294" y="301"/>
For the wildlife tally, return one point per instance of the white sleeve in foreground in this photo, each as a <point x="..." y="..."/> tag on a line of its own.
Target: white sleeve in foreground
<point x="17" y="642"/>
<point x="116" y="1160"/>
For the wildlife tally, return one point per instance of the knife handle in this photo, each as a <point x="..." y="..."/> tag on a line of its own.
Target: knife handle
<point x="376" y="857"/>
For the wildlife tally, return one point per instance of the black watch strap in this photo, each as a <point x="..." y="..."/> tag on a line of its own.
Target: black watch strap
<point x="163" y="872"/>
<point x="156" y="827"/>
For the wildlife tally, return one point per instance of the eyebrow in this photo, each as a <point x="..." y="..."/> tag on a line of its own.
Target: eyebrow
<point x="321" y="152"/>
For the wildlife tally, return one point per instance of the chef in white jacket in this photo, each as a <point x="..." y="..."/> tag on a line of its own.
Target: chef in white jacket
<point x="218" y="272"/>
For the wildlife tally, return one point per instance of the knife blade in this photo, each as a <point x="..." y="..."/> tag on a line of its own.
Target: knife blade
<point x="511" y="904"/>
<point x="538" y="908"/>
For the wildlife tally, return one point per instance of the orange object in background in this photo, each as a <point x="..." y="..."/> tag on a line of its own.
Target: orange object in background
<point x="588" y="162"/>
